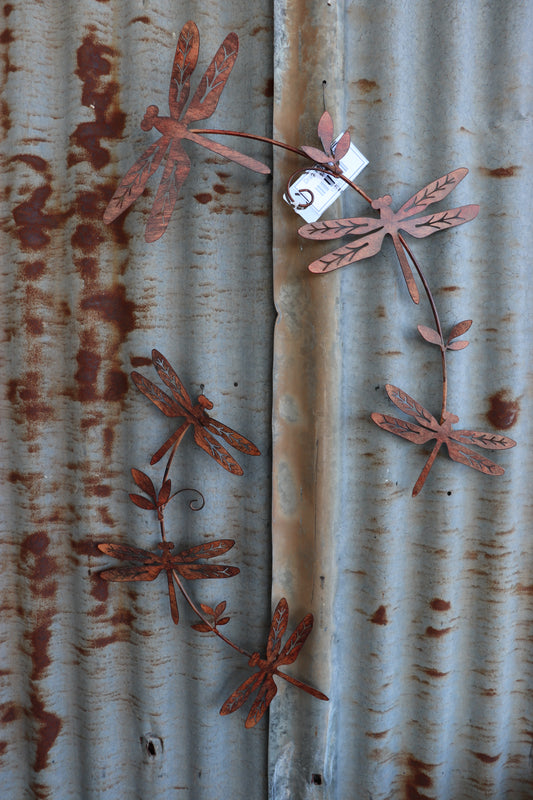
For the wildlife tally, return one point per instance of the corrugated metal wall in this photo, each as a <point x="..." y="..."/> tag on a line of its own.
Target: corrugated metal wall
<point x="422" y="606"/>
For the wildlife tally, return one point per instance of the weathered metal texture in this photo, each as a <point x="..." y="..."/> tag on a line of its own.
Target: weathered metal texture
<point x="102" y="696"/>
<point x="423" y="606"/>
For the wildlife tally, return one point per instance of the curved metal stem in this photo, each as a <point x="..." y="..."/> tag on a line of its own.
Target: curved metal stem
<point x="204" y="619"/>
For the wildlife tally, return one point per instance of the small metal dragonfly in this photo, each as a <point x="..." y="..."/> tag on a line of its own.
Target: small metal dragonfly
<point x="173" y="130"/>
<point x="370" y="232"/>
<point x="268" y="668"/>
<point x="428" y="428"/>
<point x="180" y="405"/>
<point x="148" y="565"/>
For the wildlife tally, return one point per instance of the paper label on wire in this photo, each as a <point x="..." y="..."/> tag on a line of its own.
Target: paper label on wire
<point x="323" y="189"/>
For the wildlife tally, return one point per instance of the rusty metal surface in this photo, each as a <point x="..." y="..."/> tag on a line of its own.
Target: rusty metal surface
<point x="423" y="611"/>
<point x="100" y="692"/>
<point x="421" y="608"/>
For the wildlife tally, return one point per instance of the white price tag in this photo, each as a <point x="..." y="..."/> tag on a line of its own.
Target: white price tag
<point x="313" y="192"/>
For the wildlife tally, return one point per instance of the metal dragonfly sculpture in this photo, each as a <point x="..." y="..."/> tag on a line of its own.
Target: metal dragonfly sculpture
<point x="148" y="565"/>
<point x="370" y="232"/>
<point x="173" y="130"/>
<point x="428" y="428"/>
<point x="268" y="668"/>
<point x="205" y="427"/>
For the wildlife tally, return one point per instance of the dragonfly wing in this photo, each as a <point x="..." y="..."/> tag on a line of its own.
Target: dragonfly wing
<point x="229" y="153"/>
<point x="337" y="228"/>
<point x="466" y="456"/>
<point x="176" y="171"/>
<point x="277" y="629"/>
<point x="490" y="441"/>
<point x="207" y="550"/>
<point x="206" y="97"/>
<point x="164" y="403"/>
<point x="169" y="376"/>
<point x="193" y="572"/>
<point x="213" y="448"/>
<point x="126" y="552"/>
<point x="432" y="193"/>
<point x="403" y="428"/>
<point x="424" y="226"/>
<point x="184" y="63"/>
<point x="409" y="406"/>
<point x="137" y="573"/>
<point x="266" y="694"/>
<point x="296" y="640"/>
<point x="134" y="181"/>
<point x="361" y="248"/>
<point x="233" y="438"/>
<point x="242" y="693"/>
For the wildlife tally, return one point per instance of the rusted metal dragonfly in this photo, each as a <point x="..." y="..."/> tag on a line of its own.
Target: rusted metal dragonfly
<point x="268" y="668"/>
<point x="148" y="565"/>
<point x="370" y="232"/>
<point x="428" y="428"/>
<point x="173" y="130"/>
<point x="180" y="405"/>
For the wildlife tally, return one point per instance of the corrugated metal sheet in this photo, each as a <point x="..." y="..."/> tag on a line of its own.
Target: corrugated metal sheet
<point x="422" y="607"/>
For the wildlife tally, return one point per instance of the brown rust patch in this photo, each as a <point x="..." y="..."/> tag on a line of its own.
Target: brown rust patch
<point x="449" y="288"/>
<point x="268" y="90"/>
<point x="144" y="19"/>
<point x="203" y="198"/>
<point x="8" y="8"/>
<point x="485" y="758"/>
<point x="434" y="673"/>
<point x="32" y="222"/>
<point x="85" y="238"/>
<point x="435" y="633"/>
<point x="35" y="162"/>
<point x="33" y="270"/>
<point x="100" y="94"/>
<point x="437" y="604"/>
<point x="500" y="172"/>
<point x="140" y="361"/>
<point x="365" y="86"/>
<point x="113" y="306"/>
<point x="379" y="617"/>
<point x="116" y="386"/>
<point x="417" y="778"/>
<point x="503" y="411"/>
<point x="86" y="375"/>
<point x="49" y="725"/>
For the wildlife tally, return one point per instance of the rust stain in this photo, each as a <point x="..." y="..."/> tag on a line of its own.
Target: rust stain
<point x="145" y="20"/>
<point x="521" y="589"/>
<point x="33" y="222"/>
<point x="365" y="86"/>
<point x="268" y="90"/>
<point x="140" y="361"/>
<point x="114" y="307"/>
<point x="437" y="604"/>
<point x="101" y="96"/>
<point x="503" y="411"/>
<point x="379" y="617"/>
<point x="449" y="288"/>
<point x="500" y="172"/>
<point x="486" y="759"/>
<point x="437" y="632"/>
<point x="33" y="270"/>
<point x="417" y="779"/>
<point x="35" y="162"/>
<point x="434" y="673"/>
<point x="203" y="197"/>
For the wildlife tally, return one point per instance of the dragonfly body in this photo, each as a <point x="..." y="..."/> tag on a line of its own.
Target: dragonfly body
<point x="205" y="427"/>
<point x="427" y="428"/>
<point x="175" y="128"/>
<point x="263" y="680"/>
<point x="370" y="232"/>
<point x="147" y="565"/>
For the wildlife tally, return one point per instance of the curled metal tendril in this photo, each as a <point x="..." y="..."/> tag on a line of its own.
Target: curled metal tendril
<point x="299" y="206"/>
<point x="193" y="504"/>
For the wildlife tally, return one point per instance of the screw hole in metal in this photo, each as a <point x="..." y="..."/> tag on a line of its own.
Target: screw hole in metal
<point x="316" y="779"/>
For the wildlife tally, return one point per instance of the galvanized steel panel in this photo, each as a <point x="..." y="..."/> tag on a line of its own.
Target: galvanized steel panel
<point x="422" y="606"/>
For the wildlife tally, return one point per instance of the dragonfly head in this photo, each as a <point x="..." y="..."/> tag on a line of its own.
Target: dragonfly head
<point x="150" y="115"/>
<point x="450" y="418"/>
<point x="382" y="202"/>
<point x="204" y="402"/>
<point x="165" y="547"/>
